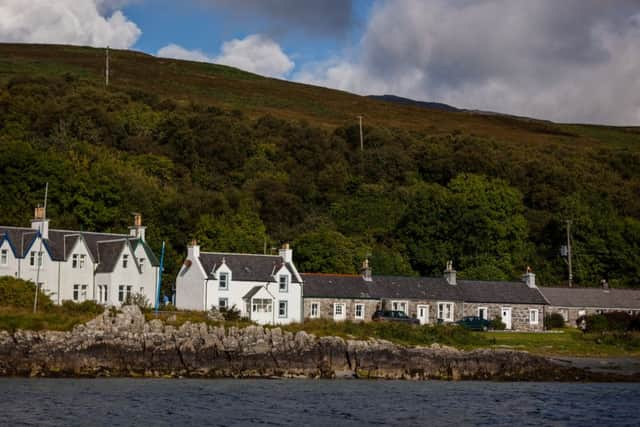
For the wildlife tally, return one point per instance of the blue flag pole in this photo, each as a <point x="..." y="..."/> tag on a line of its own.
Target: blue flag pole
<point x="160" y="278"/>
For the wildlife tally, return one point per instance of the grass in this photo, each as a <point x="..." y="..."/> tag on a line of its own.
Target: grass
<point x="180" y="317"/>
<point x="55" y="318"/>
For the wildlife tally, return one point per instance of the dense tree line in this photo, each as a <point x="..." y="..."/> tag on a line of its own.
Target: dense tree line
<point x="410" y="201"/>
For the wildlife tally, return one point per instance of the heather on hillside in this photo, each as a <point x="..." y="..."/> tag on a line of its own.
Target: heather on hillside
<point x="491" y="193"/>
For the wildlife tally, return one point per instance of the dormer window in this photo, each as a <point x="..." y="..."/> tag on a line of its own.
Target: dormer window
<point x="4" y="257"/>
<point x="32" y="260"/>
<point x="141" y="262"/>
<point x="74" y="261"/>
<point x="82" y="258"/>
<point x="283" y="283"/>
<point x="223" y="281"/>
<point x="125" y="261"/>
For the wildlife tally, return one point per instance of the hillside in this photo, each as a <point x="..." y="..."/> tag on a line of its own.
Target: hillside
<point x="240" y="160"/>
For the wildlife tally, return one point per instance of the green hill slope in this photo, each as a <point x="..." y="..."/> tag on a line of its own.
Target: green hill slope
<point x="241" y="161"/>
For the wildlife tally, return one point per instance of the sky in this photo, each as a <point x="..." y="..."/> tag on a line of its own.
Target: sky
<point x="566" y="61"/>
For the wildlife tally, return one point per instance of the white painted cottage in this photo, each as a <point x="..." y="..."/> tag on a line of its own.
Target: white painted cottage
<point x="80" y="265"/>
<point x="265" y="288"/>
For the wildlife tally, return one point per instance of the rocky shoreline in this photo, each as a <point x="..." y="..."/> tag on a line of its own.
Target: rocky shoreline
<point x="124" y="344"/>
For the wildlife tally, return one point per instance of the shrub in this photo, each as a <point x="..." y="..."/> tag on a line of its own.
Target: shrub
<point x="19" y="293"/>
<point x="497" y="324"/>
<point x="85" y="307"/>
<point x="616" y="321"/>
<point x="553" y="321"/>
<point x="230" y="313"/>
<point x="138" y="299"/>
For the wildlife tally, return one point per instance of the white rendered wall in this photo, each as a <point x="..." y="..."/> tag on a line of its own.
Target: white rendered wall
<point x="70" y="276"/>
<point x="149" y="275"/>
<point x="190" y="286"/>
<point x="129" y="276"/>
<point x="48" y="274"/>
<point x="11" y="269"/>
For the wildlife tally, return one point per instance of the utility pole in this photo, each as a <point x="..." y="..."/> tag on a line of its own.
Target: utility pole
<point x="569" y="253"/>
<point x="39" y="257"/>
<point x="106" y="69"/>
<point x="361" y="137"/>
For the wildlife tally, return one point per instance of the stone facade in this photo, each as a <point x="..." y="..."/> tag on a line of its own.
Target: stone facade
<point x="326" y="308"/>
<point x="520" y="314"/>
<point x="571" y="314"/>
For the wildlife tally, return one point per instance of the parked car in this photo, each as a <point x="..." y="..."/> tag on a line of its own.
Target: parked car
<point x="474" y="323"/>
<point x="393" y="316"/>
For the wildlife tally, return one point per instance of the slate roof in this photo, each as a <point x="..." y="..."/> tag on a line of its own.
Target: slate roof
<point x="245" y="267"/>
<point x="60" y="244"/>
<point x="252" y="292"/>
<point x="500" y="292"/>
<point x="109" y="255"/>
<point x="424" y="288"/>
<point x="592" y="297"/>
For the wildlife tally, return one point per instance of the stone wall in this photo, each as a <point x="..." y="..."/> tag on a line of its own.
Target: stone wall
<point x="326" y="307"/>
<point x="519" y="314"/>
<point x="571" y="314"/>
<point x="125" y="345"/>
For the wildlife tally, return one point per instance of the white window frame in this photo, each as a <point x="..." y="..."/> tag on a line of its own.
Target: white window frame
<point x="283" y="314"/>
<point x="81" y="262"/>
<point x="125" y="260"/>
<point x="124" y="292"/>
<point x="395" y="306"/>
<point x="582" y="313"/>
<point x="486" y="313"/>
<point x="223" y="302"/>
<point x="103" y="293"/>
<point x="355" y="311"/>
<point x="534" y="316"/>
<point x="74" y="261"/>
<point x="314" y="314"/>
<point x="426" y="309"/>
<point x="223" y="281"/>
<point x="284" y="282"/>
<point x="32" y="259"/>
<point x="261" y="305"/>
<point x="141" y="263"/>
<point x="80" y="292"/>
<point x="441" y="309"/>
<point x="343" y="311"/>
<point x="4" y="257"/>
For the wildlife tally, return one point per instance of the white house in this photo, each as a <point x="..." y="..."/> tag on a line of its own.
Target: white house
<point x="265" y="288"/>
<point x="79" y="265"/>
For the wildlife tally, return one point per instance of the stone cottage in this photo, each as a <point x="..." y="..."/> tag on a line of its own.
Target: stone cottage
<point x="429" y="299"/>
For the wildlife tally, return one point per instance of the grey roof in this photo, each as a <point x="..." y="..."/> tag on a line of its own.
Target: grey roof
<point x="337" y="286"/>
<point x="592" y="297"/>
<point x="245" y="267"/>
<point x="252" y="292"/>
<point x="423" y="288"/>
<point x="60" y="244"/>
<point x="109" y="254"/>
<point x="500" y="292"/>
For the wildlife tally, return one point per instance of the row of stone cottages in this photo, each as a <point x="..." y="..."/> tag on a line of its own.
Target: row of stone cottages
<point x="268" y="289"/>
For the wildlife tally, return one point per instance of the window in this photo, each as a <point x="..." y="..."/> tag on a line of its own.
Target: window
<point x="103" y="293"/>
<point x="339" y="312"/>
<point x="82" y="258"/>
<point x="359" y="311"/>
<point x="224" y="281"/>
<point x="582" y="313"/>
<point x="124" y="293"/>
<point x="283" y="283"/>
<point x="80" y="292"/>
<point x="565" y="315"/>
<point x="141" y="262"/>
<point x="483" y="313"/>
<point x="32" y="260"/>
<point x="533" y="317"/>
<point x="282" y="309"/>
<point x="125" y="261"/>
<point x="4" y="257"/>
<point x="315" y="310"/>
<point x="400" y="306"/>
<point x="74" y="261"/>
<point x="261" y="305"/>
<point x="223" y="303"/>
<point x="445" y="311"/>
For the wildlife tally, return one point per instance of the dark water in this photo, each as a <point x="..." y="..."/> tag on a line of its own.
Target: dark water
<point x="119" y="402"/>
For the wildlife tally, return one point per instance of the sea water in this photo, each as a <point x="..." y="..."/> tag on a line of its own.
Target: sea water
<point x="154" y="402"/>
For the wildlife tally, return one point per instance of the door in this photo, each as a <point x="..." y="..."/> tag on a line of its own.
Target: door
<point x="339" y="312"/>
<point x="506" y="316"/>
<point x="423" y="314"/>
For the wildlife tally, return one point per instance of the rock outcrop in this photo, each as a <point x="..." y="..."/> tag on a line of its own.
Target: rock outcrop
<point x="124" y="344"/>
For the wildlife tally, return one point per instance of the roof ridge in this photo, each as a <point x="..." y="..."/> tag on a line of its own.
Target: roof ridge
<point x="237" y="253"/>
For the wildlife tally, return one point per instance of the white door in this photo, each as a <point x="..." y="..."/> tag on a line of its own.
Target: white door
<point x="339" y="312"/>
<point x="423" y="314"/>
<point x="506" y="316"/>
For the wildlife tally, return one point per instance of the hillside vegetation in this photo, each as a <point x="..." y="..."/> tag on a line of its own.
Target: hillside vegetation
<point x="241" y="161"/>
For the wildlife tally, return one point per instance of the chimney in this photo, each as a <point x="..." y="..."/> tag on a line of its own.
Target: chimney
<point x="605" y="285"/>
<point x="40" y="222"/>
<point x="193" y="249"/>
<point x="137" y="230"/>
<point x="529" y="278"/>
<point x="286" y="253"/>
<point x="366" y="271"/>
<point x="450" y="274"/>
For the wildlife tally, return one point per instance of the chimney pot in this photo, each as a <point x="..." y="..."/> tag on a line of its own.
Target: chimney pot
<point x="450" y="273"/>
<point x="367" y="274"/>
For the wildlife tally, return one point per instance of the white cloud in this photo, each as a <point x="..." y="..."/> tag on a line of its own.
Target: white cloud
<point x="255" y="53"/>
<point x="567" y="61"/>
<point x="78" y="22"/>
